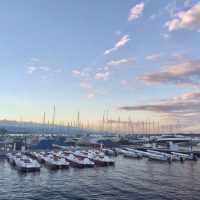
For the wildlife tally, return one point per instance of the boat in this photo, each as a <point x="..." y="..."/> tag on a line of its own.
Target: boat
<point x="170" y="156"/>
<point x="79" y="162"/>
<point x="134" y="153"/>
<point x="26" y="164"/>
<point x="131" y="154"/>
<point x="109" y="152"/>
<point x="158" y="157"/>
<point x="100" y="159"/>
<point x="12" y="157"/>
<point x="55" y="162"/>
<point x="185" y="156"/>
<point x="160" y="153"/>
<point x="41" y="157"/>
<point x="119" y="150"/>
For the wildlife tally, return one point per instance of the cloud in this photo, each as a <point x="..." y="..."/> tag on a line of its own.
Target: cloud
<point x="34" y="65"/>
<point x="90" y="95"/>
<point x="86" y="85"/>
<point x="185" y="107"/>
<point x="31" y="69"/>
<point x="124" y="82"/>
<point x="121" y="61"/>
<point x="102" y="75"/>
<point x="173" y="107"/>
<point x="189" y="19"/>
<point x="187" y="73"/>
<point x="136" y="11"/>
<point x="153" y="57"/>
<point x="123" y="41"/>
<point x="76" y="72"/>
<point x="44" y="68"/>
<point x="165" y="36"/>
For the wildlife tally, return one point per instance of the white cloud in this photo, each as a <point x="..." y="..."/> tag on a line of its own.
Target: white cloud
<point x="121" y="61"/>
<point x="136" y="11"/>
<point x="189" y="19"/>
<point x="76" y="72"/>
<point x="31" y="69"/>
<point x="102" y="75"/>
<point x="34" y="65"/>
<point x="118" y="45"/>
<point x="186" y="73"/>
<point x="184" y="108"/>
<point x="90" y="95"/>
<point x="153" y="57"/>
<point x="44" y="68"/>
<point x="86" y="85"/>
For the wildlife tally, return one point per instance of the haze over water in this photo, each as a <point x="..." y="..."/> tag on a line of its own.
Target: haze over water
<point x="129" y="179"/>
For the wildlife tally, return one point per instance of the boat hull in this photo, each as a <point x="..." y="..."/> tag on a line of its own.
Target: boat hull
<point x="28" y="169"/>
<point x="102" y="163"/>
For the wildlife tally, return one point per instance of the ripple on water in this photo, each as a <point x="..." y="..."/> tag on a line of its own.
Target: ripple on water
<point x="129" y="179"/>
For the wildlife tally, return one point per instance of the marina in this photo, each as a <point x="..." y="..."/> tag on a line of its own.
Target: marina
<point x="140" y="178"/>
<point x="97" y="169"/>
<point x="62" y="159"/>
<point x="100" y="100"/>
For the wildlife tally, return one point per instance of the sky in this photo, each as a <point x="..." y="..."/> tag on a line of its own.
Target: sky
<point x="132" y="58"/>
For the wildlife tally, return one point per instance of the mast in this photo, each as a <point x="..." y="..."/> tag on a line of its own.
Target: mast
<point x="78" y="120"/>
<point x="44" y="122"/>
<point x="54" y="115"/>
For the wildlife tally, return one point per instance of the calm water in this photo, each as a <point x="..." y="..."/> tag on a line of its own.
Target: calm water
<point x="129" y="179"/>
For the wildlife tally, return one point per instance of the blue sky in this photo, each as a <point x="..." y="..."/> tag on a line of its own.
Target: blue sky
<point x="92" y="56"/>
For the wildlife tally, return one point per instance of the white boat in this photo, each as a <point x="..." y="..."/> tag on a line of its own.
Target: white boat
<point x="160" y="153"/>
<point x="109" y="152"/>
<point x="55" y="162"/>
<point x="131" y="154"/>
<point x="185" y="156"/>
<point x="119" y="150"/>
<point x="40" y="156"/>
<point x="170" y="156"/>
<point x="139" y="152"/>
<point x="159" y="157"/>
<point x="153" y="156"/>
<point x="100" y="159"/>
<point x="26" y="164"/>
<point x="78" y="161"/>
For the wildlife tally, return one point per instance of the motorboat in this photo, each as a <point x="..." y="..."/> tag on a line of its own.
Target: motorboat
<point x="55" y="162"/>
<point x="78" y="161"/>
<point x="170" y="156"/>
<point x="26" y="164"/>
<point x="184" y="156"/>
<point x="158" y="157"/>
<point x="131" y="154"/>
<point x="100" y="159"/>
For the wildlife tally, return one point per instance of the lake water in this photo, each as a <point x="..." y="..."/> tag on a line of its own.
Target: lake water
<point x="129" y="179"/>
